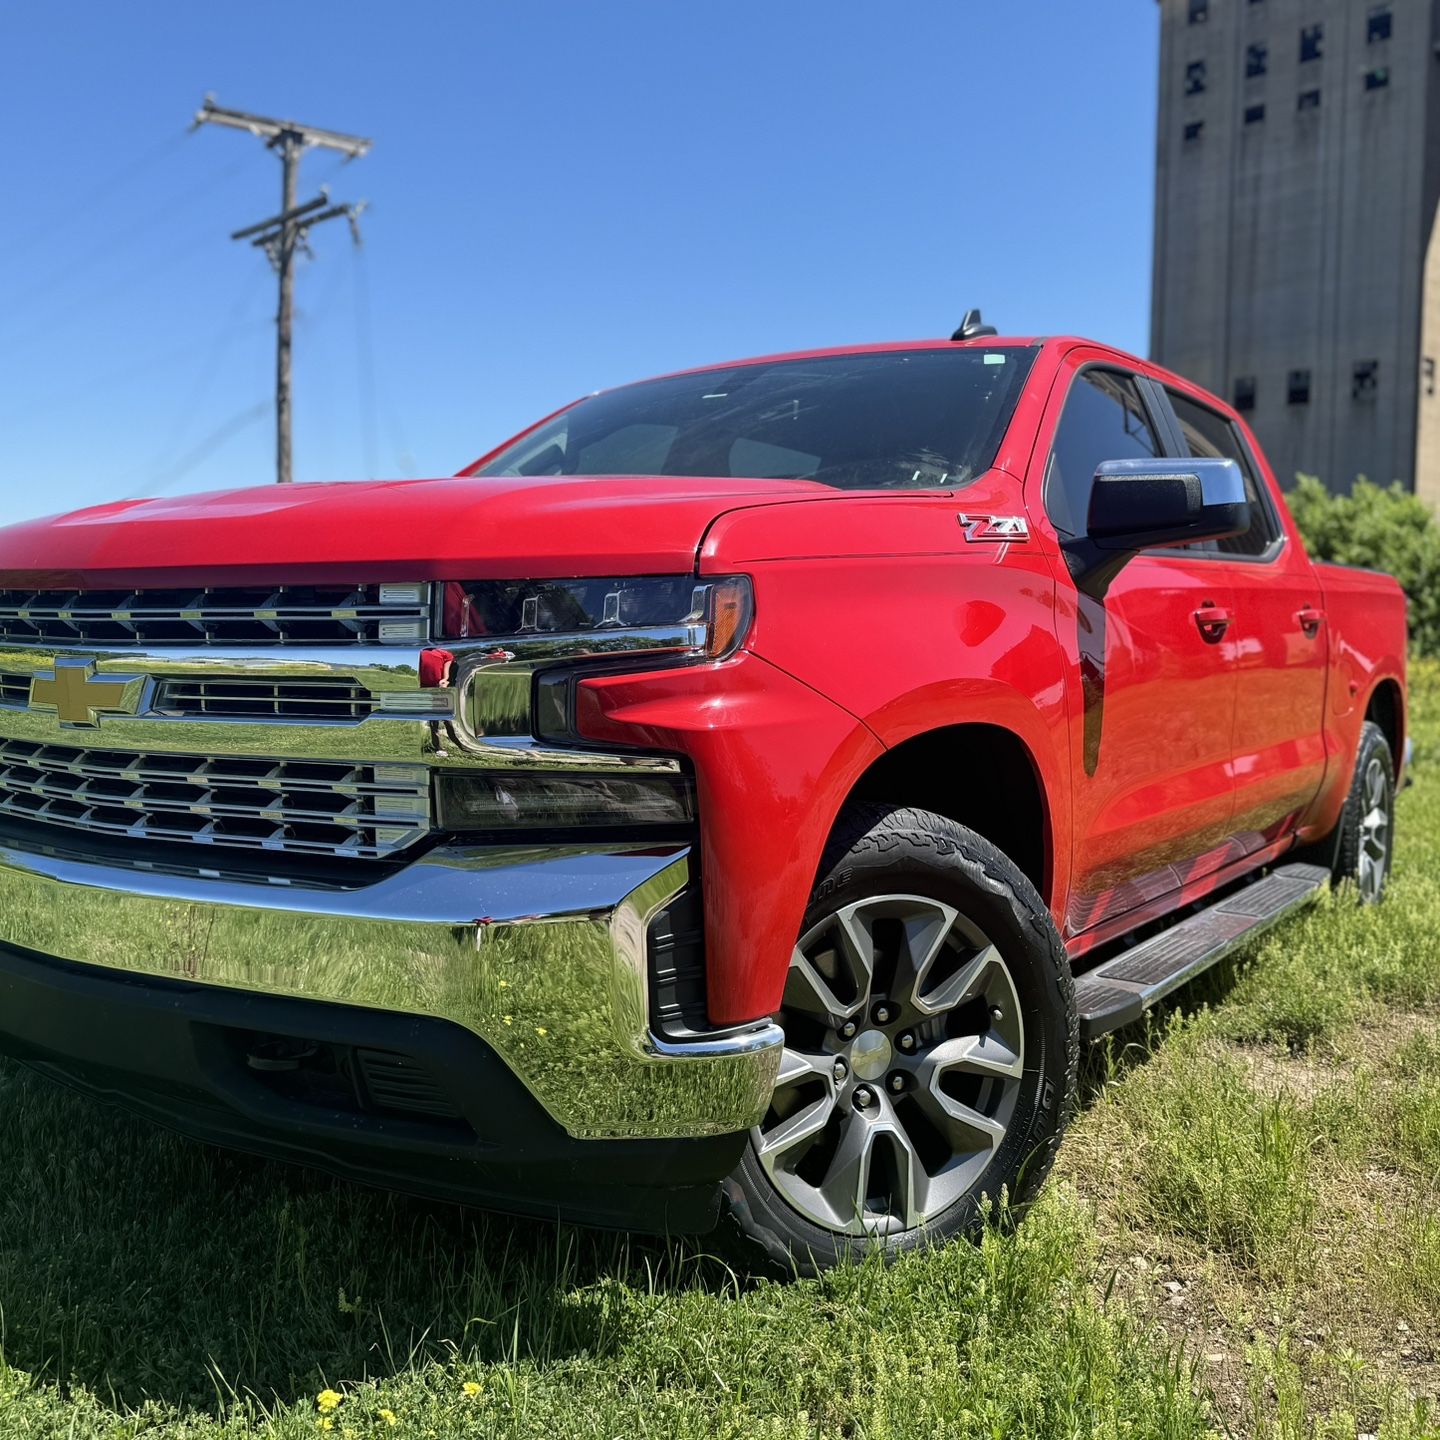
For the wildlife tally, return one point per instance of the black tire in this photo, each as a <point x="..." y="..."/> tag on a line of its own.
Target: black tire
<point x="1364" y="847"/>
<point x="885" y="856"/>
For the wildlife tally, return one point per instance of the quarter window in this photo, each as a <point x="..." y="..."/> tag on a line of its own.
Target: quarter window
<point x="1211" y="436"/>
<point x="1104" y="419"/>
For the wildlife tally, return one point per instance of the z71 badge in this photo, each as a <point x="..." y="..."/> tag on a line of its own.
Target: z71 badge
<point x="997" y="528"/>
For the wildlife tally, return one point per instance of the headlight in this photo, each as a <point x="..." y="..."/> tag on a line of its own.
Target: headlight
<point x="715" y="613"/>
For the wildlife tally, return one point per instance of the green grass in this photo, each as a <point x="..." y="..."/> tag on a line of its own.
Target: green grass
<point x="1243" y="1238"/>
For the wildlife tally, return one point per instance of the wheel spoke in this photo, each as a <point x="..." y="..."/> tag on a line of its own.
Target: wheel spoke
<point x="958" y="987"/>
<point x="847" y="1179"/>
<point x="810" y="992"/>
<point x="797" y="1068"/>
<point x="926" y="925"/>
<point x="985" y="1054"/>
<point x="954" y="1116"/>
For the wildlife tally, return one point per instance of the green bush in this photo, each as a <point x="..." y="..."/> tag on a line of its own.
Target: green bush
<point x="1385" y="529"/>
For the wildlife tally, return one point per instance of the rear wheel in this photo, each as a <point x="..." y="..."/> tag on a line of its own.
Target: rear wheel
<point x="930" y="1048"/>
<point x="1366" y="841"/>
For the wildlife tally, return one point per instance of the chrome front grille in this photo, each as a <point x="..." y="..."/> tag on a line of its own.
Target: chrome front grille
<point x="239" y="616"/>
<point x="14" y="689"/>
<point x="243" y="697"/>
<point x="323" y="808"/>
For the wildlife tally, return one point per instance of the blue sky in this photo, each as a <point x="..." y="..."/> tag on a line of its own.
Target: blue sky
<point x="563" y="196"/>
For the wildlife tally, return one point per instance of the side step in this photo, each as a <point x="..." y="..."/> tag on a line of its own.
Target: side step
<point x="1119" y="991"/>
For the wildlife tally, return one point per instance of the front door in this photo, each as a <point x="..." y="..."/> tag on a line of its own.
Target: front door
<point x="1153" y="697"/>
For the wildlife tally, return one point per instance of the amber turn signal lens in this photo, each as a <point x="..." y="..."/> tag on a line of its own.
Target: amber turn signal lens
<point x="729" y="610"/>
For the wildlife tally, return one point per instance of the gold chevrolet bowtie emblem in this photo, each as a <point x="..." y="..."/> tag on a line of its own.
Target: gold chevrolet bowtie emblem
<point x="78" y="696"/>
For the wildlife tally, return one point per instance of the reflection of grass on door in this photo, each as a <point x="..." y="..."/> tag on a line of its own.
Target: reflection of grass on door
<point x="1243" y="1237"/>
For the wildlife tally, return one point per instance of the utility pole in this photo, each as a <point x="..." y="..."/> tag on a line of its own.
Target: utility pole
<point x="282" y="235"/>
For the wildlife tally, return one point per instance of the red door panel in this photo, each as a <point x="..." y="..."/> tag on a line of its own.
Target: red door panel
<point x="1151" y="762"/>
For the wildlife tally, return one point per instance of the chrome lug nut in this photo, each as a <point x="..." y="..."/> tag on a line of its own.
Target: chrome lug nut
<point x="883" y="1014"/>
<point x="839" y="1070"/>
<point x="847" y="1030"/>
<point x="897" y="1084"/>
<point x="906" y="1042"/>
<point x="864" y="1098"/>
<point x="996" y="1013"/>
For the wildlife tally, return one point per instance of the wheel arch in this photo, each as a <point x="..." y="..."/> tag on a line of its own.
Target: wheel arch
<point x="1386" y="708"/>
<point x="979" y="774"/>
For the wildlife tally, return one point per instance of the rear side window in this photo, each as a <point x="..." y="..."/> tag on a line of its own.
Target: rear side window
<point x="1208" y="435"/>
<point x="1104" y="419"/>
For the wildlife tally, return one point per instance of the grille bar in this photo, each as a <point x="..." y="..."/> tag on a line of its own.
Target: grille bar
<point x="260" y="615"/>
<point x="237" y="698"/>
<point x="282" y="698"/>
<point x="295" y="807"/>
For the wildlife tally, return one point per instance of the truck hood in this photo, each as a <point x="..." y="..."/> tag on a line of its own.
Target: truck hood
<point x="496" y="528"/>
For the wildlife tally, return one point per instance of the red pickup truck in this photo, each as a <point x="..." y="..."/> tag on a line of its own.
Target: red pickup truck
<point x="738" y="794"/>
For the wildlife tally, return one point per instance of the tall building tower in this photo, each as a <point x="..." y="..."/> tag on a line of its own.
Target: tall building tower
<point x="1297" y="251"/>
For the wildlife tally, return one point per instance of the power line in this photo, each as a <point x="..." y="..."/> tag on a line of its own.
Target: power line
<point x="287" y="232"/>
<point x="200" y="452"/>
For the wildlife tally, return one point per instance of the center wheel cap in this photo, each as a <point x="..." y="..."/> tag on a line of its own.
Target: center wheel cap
<point x="870" y="1054"/>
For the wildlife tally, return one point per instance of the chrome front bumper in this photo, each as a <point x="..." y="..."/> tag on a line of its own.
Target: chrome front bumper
<point x="539" y="951"/>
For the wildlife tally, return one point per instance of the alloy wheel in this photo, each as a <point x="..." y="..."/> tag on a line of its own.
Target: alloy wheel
<point x="902" y="1065"/>
<point x="1374" y="859"/>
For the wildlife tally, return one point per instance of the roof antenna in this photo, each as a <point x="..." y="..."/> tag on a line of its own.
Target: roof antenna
<point x="972" y="327"/>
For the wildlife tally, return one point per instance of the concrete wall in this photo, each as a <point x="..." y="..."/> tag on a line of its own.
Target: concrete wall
<point x="1297" y="242"/>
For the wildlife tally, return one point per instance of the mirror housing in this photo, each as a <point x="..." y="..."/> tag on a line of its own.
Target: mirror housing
<point x="1139" y="504"/>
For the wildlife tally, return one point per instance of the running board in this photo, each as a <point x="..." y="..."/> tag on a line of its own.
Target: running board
<point x="1119" y="991"/>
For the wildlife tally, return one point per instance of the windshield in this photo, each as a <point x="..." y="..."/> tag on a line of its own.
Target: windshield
<point x="886" y="420"/>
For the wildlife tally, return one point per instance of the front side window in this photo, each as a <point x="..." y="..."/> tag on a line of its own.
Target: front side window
<point x="1210" y="436"/>
<point x="1104" y="419"/>
<point x="898" y="419"/>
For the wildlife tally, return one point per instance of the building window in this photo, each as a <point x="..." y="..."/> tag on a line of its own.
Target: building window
<point x="1195" y="78"/>
<point x="1245" y="393"/>
<point x="1378" y="79"/>
<point x="1254" y="114"/>
<point x="1312" y="42"/>
<point x="1194" y="130"/>
<point x="1365" y="380"/>
<point x="1199" y="11"/>
<point x="1427" y="369"/>
<point x="1378" y="28"/>
<point x="1298" y="390"/>
<point x="1308" y="100"/>
<point x="1257" y="60"/>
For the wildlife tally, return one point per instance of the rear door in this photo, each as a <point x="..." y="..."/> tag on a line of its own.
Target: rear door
<point x="1280" y="643"/>
<point x="1153" y="703"/>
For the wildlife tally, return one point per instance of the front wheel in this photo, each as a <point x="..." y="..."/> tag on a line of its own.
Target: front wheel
<point x="930" y="1048"/>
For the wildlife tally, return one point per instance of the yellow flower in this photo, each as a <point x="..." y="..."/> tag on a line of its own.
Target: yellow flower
<point x="328" y="1399"/>
<point x="504" y="984"/>
<point x="541" y="1030"/>
<point x="325" y="1423"/>
<point x="508" y="1019"/>
<point x="389" y="1417"/>
<point x="471" y="1388"/>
